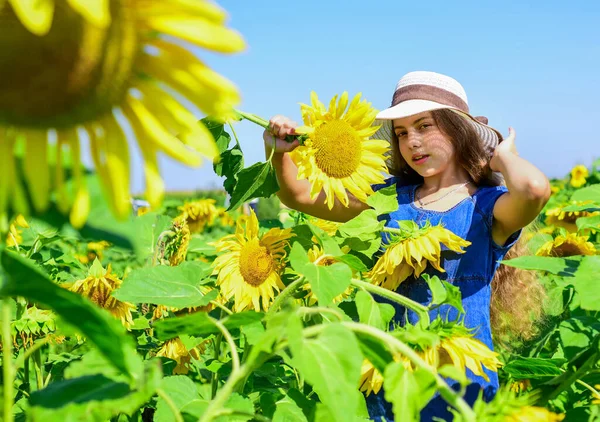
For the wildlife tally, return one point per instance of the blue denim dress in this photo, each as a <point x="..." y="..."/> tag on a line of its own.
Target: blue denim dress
<point x="471" y="271"/>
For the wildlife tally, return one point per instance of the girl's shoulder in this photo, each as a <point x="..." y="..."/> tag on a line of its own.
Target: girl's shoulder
<point x="485" y="199"/>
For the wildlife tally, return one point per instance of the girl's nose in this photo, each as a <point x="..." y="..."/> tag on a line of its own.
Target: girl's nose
<point x="414" y="139"/>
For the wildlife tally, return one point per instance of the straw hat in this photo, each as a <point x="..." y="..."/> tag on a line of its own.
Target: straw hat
<point x="421" y="91"/>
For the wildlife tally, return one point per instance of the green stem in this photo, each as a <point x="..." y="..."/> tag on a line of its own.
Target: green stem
<point x="451" y="396"/>
<point x="254" y="119"/>
<point x="221" y="307"/>
<point x="23" y="358"/>
<point x="26" y="385"/>
<point x="320" y="310"/>
<point x="285" y="293"/>
<point x="176" y="413"/>
<point x="235" y="358"/>
<point x="216" y="356"/>
<point x="567" y="379"/>
<point x="237" y="142"/>
<point x="7" y="364"/>
<point x="395" y="297"/>
<point x="37" y="365"/>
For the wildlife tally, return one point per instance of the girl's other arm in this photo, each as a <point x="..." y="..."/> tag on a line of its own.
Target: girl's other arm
<point x="295" y="193"/>
<point x="528" y="190"/>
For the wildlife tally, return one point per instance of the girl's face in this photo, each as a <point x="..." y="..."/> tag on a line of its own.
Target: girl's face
<point x="425" y="148"/>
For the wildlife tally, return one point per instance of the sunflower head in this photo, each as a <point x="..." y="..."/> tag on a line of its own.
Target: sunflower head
<point x="557" y="216"/>
<point x="89" y="66"/>
<point x="175" y="349"/>
<point x="410" y="250"/>
<point x="249" y="269"/>
<point x="579" y="174"/>
<point x="569" y="244"/>
<point x="98" y="287"/>
<point x="199" y="214"/>
<point x="176" y="246"/>
<point x="338" y="155"/>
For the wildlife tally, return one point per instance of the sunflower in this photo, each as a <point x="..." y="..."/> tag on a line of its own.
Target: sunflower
<point x="89" y="66"/>
<point x="94" y="250"/>
<point x="98" y="286"/>
<point x="175" y="349"/>
<point x="568" y="245"/>
<point x="329" y="227"/>
<point x="533" y="414"/>
<point x="225" y="218"/>
<point x="14" y="238"/>
<point x="317" y="256"/>
<point x="578" y="175"/>
<point x="520" y="386"/>
<point x="411" y="250"/>
<point x="249" y="269"/>
<point x="338" y="155"/>
<point x="176" y="246"/>
<point x="463" y="351"/>
<point x="567" y="219"/>
<point x="596" y="395"/>
<point x="199" y="214"/>
<point x="371" y="379"/>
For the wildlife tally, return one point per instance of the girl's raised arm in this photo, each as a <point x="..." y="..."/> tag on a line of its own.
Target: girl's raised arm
<point x="528" y="190"/>
<point x="295" y="193"/>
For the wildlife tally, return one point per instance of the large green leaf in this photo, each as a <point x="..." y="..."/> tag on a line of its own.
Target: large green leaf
<point x="256" y="181"/>
<point x="589" y="193"/>
<point x="588" y="223"/>
<point x="372" y="313"/>
<point x="327" y="282"/>
<point x="195" y="409"/>
<point x="402" y="390"/>
<point x="443" y="292"/>
<point x="577" y="334"/>
<point x="79" y="390"/>
<point x="586" y="283"/>
<point x="560" y="266"/>
<point x="106" y="333"/>
<point x="288" y="411"/>
<point x="331" y="363"/>
<point x="199" y="324"/>
<point x="231" y="162"/>
<point x="217" y="130"/>
<point x="177" y="286"/>
<point x="146" y="229"/>
<point x="385" y="200"/>
<point x="181" y="390"/>
<point x="364" y="226"/>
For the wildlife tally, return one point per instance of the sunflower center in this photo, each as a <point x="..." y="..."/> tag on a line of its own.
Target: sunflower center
<point x="337" y="148"/>
<point x="256" y="263"/>
<point x="567" y="249"/>
<point x="73" y="74"/>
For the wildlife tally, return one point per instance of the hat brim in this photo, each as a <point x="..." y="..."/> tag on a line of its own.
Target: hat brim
<point x="489" y="136"/>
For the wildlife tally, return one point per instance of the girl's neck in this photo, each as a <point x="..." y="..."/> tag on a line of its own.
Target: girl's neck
<point x="445" y="180"/>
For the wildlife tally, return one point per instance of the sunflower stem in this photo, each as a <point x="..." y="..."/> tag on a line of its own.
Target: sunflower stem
<point x="450" y="395"/>
<point x="285" y="293"/>
<point x="21" y="359"/>
<point x="37" y="365"/>
<point x="237" y="141"/>
<point x="235" y="358"/>
<point x="421" y="310"/>
<point x="254" y="119"/>
<point x="7" y="364"/>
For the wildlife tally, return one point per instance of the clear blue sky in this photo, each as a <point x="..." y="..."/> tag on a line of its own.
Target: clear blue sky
<point x="535" y="68"/>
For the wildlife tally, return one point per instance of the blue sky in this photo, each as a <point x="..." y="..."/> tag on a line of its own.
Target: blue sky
<point x="535" y="68"/>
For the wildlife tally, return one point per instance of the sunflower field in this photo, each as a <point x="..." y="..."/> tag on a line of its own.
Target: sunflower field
<point x="200" y="307"/>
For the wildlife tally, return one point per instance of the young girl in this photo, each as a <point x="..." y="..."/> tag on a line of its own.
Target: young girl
<point x="453" y="168"/>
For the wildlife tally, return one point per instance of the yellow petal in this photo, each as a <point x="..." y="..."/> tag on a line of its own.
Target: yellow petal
<point x="37" y="172"/>
<point x="6" y="158"/>
<point x="35" y="15"/>
<point x="81" y="207"/>
<point x="155" y="187"/>
<point x="94" y="11"/>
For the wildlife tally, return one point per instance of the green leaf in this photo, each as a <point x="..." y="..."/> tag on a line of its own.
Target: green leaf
<point x="586" y="283"/>
<point x="586" y="207"/>
<point x="331" y="363"/>
<point x="145" y="232"/>
<point x="231" y="162"/>
<point x="385" y="200"/>
<point x="256" y="181"/>
<point x="577" y="334"/>
<point x="444" y="292"/>
<point x="402" y="390"/>
<point x="199" y="324"/>
<point x="376" y="352"/>
<point x="178" y="286"/>
<point x="372" y="313"/>
<point x="105" y="332"/>
<point x="589" y="193"/>
<point x="537" y="241"/>
<point x="330" y="246"/>
<point x="533" y="368"/>
<point x="288" y="411"/>
<point x="588" y="223"/>
<point x="217" y="130"/>
<point x="192" y="411"/>
<point x="364" y="226"/>
<point x="559" y="266"/>
<point x="326" y="282"/>
<point x="181" y="390"/>
<point x="199" y="244"/>
<point x="353" y="262"/>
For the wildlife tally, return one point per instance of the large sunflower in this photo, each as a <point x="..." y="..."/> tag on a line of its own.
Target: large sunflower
<point x="568" y="245"/>
<point x="249" y="269"/>
<point x="338" y="155"/>
<point x="568" y="219"/>
<point x="411" y="250"/>
<point x="74" y="70"/>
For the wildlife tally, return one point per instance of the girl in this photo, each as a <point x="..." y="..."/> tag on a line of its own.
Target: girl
<point x="447" y="166"/>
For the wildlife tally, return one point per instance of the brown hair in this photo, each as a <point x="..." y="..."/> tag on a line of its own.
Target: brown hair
<point x="517" y="296"/>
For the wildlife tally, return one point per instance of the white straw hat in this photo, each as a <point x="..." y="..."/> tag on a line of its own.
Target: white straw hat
<point x="421" y="91"/>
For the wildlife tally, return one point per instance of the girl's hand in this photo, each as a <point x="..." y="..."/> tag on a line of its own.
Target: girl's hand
<point x="505" y="148"/>
<point x="279" y="128"/>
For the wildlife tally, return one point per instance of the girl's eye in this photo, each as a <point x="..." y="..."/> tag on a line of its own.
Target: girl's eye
<point x="425" y="125"/>
<point x="400" y="134"/>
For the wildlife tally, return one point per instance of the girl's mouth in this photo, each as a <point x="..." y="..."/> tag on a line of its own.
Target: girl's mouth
<point x="420" y="159"/>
